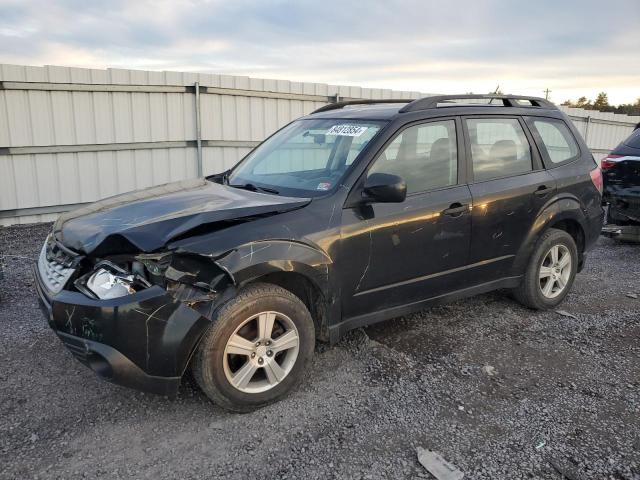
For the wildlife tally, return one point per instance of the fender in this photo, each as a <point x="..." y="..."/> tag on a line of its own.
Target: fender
<point x="255" y="259"/>
<point x="223" y="275"/>
<point x="560" y="208"/>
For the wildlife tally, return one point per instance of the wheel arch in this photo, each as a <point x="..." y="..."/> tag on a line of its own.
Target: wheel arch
<point x="307" y="291"/>
<point x="297" y="267"/>
<point x="577" y="232"/>
<point x="563" y="214"/>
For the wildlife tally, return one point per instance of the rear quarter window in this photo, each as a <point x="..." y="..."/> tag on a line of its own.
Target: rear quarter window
<point x="556" y="139"/>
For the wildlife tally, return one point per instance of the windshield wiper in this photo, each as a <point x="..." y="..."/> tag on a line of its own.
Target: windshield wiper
<point x="253" y="188"/>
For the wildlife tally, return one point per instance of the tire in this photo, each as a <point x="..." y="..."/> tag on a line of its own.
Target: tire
<point x="531" y="292"/>
<point x="218" y="364"/>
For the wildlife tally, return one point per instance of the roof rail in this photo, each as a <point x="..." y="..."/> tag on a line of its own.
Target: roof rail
<point x="338" y="105"/>
<point x="507" y="101"/>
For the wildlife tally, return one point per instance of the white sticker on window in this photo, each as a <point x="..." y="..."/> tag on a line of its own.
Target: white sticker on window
<point x="347" y="130"/>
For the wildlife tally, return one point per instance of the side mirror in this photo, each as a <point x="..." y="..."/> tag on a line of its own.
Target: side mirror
<point x="385" y="188"/>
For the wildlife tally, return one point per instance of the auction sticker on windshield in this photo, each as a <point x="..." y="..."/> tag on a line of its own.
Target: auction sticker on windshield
<point x="347" y="130"/>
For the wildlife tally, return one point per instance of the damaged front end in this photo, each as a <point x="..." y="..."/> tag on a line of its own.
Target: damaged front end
<point x="134" y="319"/>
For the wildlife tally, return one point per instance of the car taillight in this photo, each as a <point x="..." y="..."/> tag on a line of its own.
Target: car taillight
<point x="609" y="161"/>
<point x="596" y="178"/>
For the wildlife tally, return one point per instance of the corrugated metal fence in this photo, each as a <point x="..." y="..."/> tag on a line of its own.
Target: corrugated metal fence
<point x="70" y="135"/>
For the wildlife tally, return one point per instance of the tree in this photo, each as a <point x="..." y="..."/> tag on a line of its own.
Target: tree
<point x="583" y="102"/>
<point x="601" y="104"/>
<point x="627" y="108"/>
<point x="602" y="101"/>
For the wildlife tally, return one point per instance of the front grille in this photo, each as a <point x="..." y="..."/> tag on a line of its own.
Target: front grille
<point x="55" y="266"/>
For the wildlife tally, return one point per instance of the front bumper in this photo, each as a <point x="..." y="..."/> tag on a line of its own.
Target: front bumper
<point x="143" y="341"/>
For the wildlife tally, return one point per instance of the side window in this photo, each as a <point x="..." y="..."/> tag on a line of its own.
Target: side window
<point x="499" y="148"/>
<point x="556" y="138"/>
<point x="425" y="156"/>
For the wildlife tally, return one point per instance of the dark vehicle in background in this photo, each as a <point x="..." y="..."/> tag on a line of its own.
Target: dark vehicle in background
<point x="621" y="176"/>
<point x="357" y="213"/>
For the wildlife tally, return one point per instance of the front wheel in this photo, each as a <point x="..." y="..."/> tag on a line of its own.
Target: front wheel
<point x="257" y="350"/>
<point x="551" y="271"/>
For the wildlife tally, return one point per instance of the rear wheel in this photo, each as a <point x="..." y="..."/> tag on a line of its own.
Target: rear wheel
<point x="257" y="350"/>
<point x="551" y="271"/>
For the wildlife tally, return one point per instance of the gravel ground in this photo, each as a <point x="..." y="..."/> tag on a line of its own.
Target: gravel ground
<point x="500" y="391"/>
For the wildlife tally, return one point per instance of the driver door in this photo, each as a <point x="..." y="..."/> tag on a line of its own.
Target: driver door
<point x="416" y="249"/>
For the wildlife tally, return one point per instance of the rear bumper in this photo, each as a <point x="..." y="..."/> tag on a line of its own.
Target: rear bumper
<point x="142" y="341"/>
<point x="625" y="233"/>
<point x="625" y="201"/>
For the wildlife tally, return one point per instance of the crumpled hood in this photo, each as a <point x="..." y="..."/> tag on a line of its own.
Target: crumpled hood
<point x="150" y="218"/>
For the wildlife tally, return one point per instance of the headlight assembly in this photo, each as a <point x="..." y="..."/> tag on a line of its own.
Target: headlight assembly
<point x="108" y="280"/>
<point x="155" y="263"/>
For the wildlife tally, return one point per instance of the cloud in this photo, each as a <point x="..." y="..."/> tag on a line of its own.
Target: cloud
<point x="461" y="45"/>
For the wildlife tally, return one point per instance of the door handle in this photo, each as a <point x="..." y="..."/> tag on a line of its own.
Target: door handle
<point x="542" y="191"/>
<point x="455" y="209"/>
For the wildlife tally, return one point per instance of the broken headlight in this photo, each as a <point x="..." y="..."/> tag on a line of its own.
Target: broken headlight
<point x="108" y="280"/>
<point x="155" y="263"/>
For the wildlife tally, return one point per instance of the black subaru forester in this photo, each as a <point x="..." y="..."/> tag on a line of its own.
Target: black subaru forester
<point x="356" y="213"/>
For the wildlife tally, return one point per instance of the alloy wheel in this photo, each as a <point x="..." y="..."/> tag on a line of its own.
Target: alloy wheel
<point x="261" y="352"/>
<point x="555" y="271"/>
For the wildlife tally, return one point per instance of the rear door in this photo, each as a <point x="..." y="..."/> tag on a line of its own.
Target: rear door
<point x="509" y="186"/>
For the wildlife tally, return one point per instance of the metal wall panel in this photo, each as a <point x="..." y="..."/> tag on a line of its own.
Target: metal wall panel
<point x="84" y="126"/>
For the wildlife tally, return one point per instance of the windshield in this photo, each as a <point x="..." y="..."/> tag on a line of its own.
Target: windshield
<point x="306" y="158"/>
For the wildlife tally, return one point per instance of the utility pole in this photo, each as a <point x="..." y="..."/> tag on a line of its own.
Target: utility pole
<point x="546" y="93"/>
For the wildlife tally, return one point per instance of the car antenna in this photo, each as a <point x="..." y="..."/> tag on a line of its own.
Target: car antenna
<point x="495" y="92"/>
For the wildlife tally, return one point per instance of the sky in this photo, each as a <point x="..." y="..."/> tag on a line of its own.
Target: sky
<point x="573" y="48"/>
